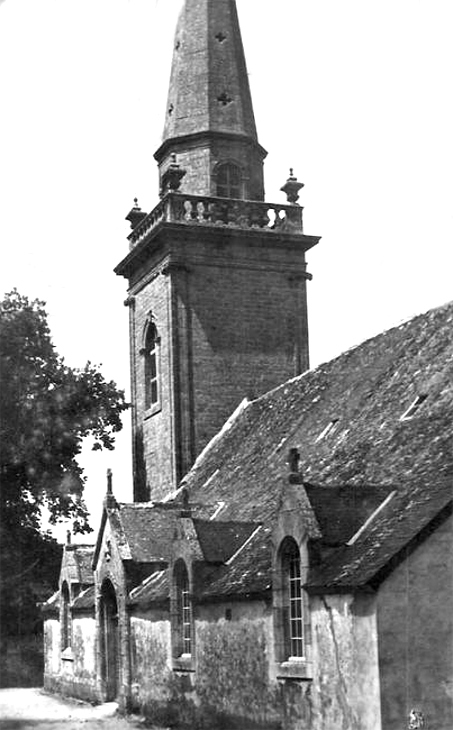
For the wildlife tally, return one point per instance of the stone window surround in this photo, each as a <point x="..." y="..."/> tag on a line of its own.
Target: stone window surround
<point x="182" y="662"/>
<point x="287" y="667"/>
<point x="150" y="334"/>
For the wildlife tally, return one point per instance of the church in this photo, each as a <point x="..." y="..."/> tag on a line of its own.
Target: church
<point x="287" y="560"/>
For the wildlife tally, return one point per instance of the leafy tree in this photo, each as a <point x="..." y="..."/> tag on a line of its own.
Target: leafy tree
<point x="46" y="410"/>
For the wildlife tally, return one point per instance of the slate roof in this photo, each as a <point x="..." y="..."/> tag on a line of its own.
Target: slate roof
<point x="148" y="530"/>
<point x="363" y="394"/>
<point x="155" y="589"/>
<point x="249" y="573"/>
<point x="52" y="605"/>
<point x="220" y="540"/>
<point x="84" y="557"/>
<point x="410" y="513"/>
<point x="341" y="511"/>
<point x="85" y="600"/>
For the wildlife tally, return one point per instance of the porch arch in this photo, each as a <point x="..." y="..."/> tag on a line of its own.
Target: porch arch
<point x="109" y="640"/>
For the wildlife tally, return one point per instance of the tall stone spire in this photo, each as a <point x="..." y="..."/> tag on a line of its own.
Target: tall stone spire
<point x="209" y="116"/>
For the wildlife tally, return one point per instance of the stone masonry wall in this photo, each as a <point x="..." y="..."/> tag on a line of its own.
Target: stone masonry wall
<point x="229" y="308"/>
<point x="345" y="691"/>
<point x="73" y="672"/>
<point x="234" y="683"/>
<point x="52" y="649"/>
<point x="244" y="328"/>
<point x="150" y="663"/>
<point x="415" y="621"/>
<point x="155" y="448"/>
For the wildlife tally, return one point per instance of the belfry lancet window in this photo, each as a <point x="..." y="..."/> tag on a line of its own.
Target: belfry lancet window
<point x="229" y="181"/>
<point x="151" y="358"/>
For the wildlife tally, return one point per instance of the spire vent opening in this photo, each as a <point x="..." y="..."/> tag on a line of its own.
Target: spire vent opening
<point x="224" y="99"/>
<point x="413" y="408"/>
<point x="329" y="430"/>
<point x="221" y="37"/>
<point x="171" y="109"/>
<point x="177" y="45"/>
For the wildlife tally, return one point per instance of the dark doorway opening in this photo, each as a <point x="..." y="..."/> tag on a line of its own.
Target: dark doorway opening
<point x="109" y="640"/>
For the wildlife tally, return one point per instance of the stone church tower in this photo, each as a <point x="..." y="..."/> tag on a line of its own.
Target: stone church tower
<point x="217" y="277"/>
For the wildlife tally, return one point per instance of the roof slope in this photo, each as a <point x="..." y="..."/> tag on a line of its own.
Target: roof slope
<point x="362" y="396"/>
<point x="85" y="601"/>
<point x="220" y="540"/>
<point x="341" y="511"/>
<point x="248" y="574"/>
<point x="52" y="605"/>
<point x="148" y="530"/>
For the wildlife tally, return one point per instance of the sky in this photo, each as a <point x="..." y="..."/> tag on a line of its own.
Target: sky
<point x="354" y="95"/>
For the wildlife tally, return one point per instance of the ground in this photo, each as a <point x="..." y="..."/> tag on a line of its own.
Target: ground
<point x="34" y="709"/>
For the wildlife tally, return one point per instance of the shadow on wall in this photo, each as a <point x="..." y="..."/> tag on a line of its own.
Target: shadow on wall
<point x="140" y="488"/>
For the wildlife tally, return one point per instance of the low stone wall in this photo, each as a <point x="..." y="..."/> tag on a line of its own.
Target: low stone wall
<point x="72" y="687"/>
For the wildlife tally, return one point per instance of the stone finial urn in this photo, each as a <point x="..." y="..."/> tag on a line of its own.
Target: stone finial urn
<point x="291" y="188"/>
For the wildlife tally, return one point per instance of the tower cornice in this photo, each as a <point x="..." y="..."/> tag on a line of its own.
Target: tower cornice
<point x="173" y="144"/>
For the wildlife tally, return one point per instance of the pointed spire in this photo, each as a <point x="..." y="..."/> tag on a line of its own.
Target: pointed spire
<point x="209" y="116"/>
<point x="209" y="88"/>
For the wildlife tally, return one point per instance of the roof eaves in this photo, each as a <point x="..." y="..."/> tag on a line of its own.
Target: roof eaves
<point x="236" y="595"/>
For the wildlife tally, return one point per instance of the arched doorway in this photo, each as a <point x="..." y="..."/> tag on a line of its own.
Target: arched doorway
<point x="109" y="640"/>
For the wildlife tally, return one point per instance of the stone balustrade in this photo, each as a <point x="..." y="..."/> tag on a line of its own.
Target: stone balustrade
<point x="226" y="212"/>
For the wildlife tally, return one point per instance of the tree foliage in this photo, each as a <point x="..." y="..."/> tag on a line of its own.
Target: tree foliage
<point x="46" y="410"/>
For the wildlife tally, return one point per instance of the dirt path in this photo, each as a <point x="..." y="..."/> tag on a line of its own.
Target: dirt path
<point x="34" y="709"/>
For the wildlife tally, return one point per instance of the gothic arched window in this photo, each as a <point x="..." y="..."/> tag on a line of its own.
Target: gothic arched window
<point x="182" y="611"/>
<point x="291" y="567"/>
<point x="66" y="628"/>
<point x="151" y="352"/>
<point x="292" y="599"/>
<point x="229" y="181"/>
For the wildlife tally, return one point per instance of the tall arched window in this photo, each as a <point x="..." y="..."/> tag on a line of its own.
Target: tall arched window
<point x="292" y="600"/>
<point x="229" y="181"/>
<point x="183" y="611"/>
<point x="66" y="624"/>
<point x="151" y="352"/>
